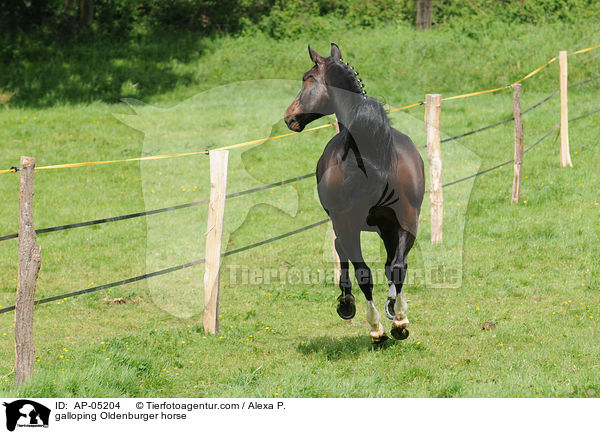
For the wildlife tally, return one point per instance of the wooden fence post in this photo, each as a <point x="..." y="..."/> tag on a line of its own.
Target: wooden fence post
<point x="214" y="232"/>
<point x="565" y="155"/>
<point x="30" y="259"/>
<point x="337" y="268"/>
<point x="518" y="156"/>
<point x="433" y="111"/>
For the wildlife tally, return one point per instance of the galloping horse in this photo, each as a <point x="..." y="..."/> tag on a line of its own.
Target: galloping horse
<point x="370" y="178"/>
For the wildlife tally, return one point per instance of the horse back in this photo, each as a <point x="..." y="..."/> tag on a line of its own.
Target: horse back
<point x="351" y="188"/>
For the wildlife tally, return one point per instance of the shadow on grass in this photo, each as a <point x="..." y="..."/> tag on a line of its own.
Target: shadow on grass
<point x="38" y="75"/>
<point x="338" y="348"/>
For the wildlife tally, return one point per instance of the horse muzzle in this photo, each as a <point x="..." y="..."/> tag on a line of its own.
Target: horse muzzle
<point x="293" y="123"/>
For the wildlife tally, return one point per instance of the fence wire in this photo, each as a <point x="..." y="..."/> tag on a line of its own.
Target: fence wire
<point x="268" y="240"/>
<point x="159" y="210"/>
<point x="529" y="148"/>
<point x="167" y="270"/>
<point x="265" y="187"/>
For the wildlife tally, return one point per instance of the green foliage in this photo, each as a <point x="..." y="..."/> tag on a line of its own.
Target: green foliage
<point x="124" y="19"/>
<point x="514" y="11"/>
<point x="206" y="15"/>
<point x="323" y="17"/>
<point x="410" y="63"/>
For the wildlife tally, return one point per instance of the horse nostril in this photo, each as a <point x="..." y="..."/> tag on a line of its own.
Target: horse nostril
<point x="290" y="121"/>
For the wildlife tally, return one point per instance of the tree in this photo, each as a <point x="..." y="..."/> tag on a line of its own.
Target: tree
<point x="424" y="14"/>
<point x="86" y="13"/>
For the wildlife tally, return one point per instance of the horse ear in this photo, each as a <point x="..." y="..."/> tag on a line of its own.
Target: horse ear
<point x="314" y="56"/>
<point x="335" y="52"/>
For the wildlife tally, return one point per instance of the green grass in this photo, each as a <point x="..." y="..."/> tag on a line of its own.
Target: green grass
<point x="532" y="269"/>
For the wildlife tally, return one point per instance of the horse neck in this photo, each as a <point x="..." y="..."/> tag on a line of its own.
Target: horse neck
<point x="372" y="141"/>
<point x="344" y="104"/>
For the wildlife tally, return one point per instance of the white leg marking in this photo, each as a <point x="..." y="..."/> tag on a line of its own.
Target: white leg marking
<point x="392" y="293"/>
<point x="401" y="308"/>
<point x="373" y="319"/>
<point x="372" y="314"/>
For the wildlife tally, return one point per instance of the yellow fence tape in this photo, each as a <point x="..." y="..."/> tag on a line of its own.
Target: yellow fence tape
<point x="266" y="139"/>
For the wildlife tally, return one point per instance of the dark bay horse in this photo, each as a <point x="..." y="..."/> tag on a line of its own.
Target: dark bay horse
<point x="370" y="178"/>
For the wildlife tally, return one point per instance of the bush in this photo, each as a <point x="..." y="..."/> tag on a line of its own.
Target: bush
<point x="49" y="20"/>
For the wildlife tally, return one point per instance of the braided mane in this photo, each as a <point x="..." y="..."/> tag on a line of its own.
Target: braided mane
<point x="358" y="82"/>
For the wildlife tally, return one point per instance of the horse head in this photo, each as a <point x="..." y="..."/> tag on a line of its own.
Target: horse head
<point x="319" y="88"/>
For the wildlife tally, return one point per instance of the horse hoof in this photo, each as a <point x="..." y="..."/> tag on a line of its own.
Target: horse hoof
<point x="346" y="308"/>
<point x="389" y="308"/>
<point x="400" y="332"/>
<point x="379" y="340"/>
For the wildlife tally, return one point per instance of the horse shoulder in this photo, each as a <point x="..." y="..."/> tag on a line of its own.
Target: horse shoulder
<point x="329" y="166"/>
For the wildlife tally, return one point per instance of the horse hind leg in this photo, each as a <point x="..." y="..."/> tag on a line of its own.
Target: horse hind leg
<point x="400" y="324"/>
<point x="351" y="246"/>
<point x="398" y="243"/>
<point x="398" y="273"/>
<point x="365" y="281"/>
<point x="390" y="240"/>
<point x="377" y="332"/>
<point x="346" y="308"/>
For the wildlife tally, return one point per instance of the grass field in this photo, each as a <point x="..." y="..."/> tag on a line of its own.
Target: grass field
<point x="532" y="268"/>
